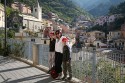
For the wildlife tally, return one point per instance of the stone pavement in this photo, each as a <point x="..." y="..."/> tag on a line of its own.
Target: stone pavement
<point x="13" y="71"/>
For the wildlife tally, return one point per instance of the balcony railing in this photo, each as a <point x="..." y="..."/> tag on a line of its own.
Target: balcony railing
<point x="88" y="65"/>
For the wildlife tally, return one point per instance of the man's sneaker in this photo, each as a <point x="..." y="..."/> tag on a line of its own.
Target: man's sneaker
<point x="69" y="78"/>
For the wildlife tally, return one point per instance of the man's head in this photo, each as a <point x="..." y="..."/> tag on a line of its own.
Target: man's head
<point x="58" y="34"/>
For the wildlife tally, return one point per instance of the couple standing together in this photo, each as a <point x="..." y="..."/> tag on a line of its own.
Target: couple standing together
<point x="60" y="53"/>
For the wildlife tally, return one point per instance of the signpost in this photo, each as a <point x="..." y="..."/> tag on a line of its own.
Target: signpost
<point x="5" y="28"/>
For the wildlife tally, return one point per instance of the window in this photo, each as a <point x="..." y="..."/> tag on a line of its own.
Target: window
<point x="33" y="40"/>
<point x="97" y="44"/>
<point x="35" y="10"/>
<point x="100" y="34"/>
<point x="44" y="41"/>
<point x="80" y="58"/>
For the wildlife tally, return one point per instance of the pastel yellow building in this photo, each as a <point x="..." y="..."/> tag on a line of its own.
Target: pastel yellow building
<point x="2" y="16"/>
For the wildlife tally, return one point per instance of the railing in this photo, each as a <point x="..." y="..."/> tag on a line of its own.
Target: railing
<point x="23" y="49"/>
<point x="98" y="67"/>
<point x="88" y="65"/>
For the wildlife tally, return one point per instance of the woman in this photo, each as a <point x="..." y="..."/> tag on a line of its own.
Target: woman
<point x="51" y="57"/>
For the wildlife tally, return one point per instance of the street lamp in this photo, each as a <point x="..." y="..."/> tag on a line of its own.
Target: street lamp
<point x="5" y="28"/>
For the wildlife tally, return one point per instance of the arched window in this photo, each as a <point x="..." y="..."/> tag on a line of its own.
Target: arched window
<point x="44" y="41"/>
<point x="35" y="10"/>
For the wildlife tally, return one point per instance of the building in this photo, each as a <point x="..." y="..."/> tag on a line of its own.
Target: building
<point x="113" y="35"/>
<point x="106" y="19"/>
<point x="32" y="22"/>
<point x="26" y="37"/>
<point x="52" y="16"/>
<point x="2" y="16"/>
<point x="22" y="8"/>
<point x="98" y="35"/>
<point x="99" y="44"/>
<point x="101" y="20"/>
<point x="94" y="37"/>
<point x="119" y="44"/>
<point x="123" y="31"/>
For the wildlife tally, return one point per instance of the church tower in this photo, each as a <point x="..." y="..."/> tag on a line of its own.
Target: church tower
<point x="37" y="11"/>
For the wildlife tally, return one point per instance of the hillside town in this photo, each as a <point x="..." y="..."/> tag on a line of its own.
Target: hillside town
<point x="36" y="25"/>
<point x="30" y="24"/>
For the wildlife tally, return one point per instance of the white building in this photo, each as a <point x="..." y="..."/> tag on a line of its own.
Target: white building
<point x="33" y="22"/>
<point x="114" y="35"/>
<point x="2" y="16"/>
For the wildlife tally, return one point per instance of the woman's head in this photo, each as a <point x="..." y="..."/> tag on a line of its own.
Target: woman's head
<point x="51" y="34"/>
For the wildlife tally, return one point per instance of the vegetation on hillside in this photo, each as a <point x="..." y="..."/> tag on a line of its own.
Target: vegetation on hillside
<point x="103" y="8"/>
<point x="120" y="9"/>
<point x="28" y="2"/>
<point x="116" y="25"/>
<point x="66" y="9"/>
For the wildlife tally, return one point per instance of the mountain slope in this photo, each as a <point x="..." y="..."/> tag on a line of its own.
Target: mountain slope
<point x="66" y="9"/>
<point x="97" y="7"/>
<point x="116" y="25"/>
<point x="103" y="8"/>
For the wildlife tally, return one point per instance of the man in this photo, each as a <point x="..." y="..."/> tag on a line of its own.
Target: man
<point x="58" y="53"/>
<point x="51" y="60"/>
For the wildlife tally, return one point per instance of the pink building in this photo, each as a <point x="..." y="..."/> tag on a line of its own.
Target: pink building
<point x="21" y="7"/>
<point x="123" y="30"/>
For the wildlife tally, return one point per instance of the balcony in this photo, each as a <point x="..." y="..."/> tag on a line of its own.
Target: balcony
<point x="88" y="65"/>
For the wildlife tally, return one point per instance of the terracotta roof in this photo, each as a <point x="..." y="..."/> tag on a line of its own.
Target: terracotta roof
<point x="64" y="28"/>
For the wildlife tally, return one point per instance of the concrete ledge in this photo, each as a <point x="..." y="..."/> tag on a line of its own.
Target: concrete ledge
<point x="42" y="68"/>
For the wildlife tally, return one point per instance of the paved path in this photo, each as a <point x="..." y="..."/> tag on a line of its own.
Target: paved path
<point x="13" y="71"/>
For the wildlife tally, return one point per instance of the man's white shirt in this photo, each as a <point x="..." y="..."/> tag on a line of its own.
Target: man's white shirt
<point x="59" y="45"/>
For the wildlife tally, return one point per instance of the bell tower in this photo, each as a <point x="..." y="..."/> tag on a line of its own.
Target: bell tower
<point x="37" y="11"/>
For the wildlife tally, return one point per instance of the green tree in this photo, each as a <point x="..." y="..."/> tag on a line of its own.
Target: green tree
<point x="8" y="2"/>
<point x="120" y="9"/>
<point x="10" y="33"/>
<point x="9" y="11"/>
<point x="29" y="2"/>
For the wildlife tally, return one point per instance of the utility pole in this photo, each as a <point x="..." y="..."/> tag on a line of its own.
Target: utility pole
<point x="5" y="28"/>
